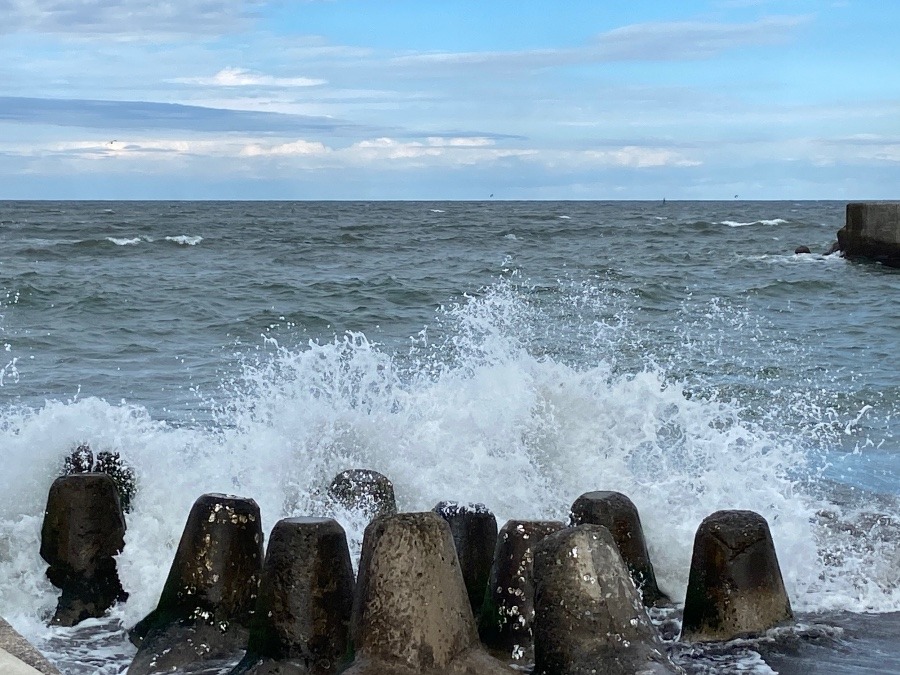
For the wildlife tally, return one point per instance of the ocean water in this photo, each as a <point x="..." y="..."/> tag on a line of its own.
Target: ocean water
<point x="512" y="353"/>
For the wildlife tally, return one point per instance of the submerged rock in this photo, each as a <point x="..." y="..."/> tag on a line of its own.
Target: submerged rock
<point x="735" y="587"/>
<point x="589" y="617"/>
<point x="83" y="530"/>
<point x="302" y="620"/>
<point x="505" y="621"/>
<point x="206" y="605"/>
<point x="619" y="515"/>
<point x="411" y="614"/>
<point x="474" y="530"/>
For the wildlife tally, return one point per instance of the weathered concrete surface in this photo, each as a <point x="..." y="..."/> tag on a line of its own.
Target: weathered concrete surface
<point x="16" y="645"/>
<point x="302" y="619"/>
<point x="872" y="230"/>
<point x="505" y="620"/>
<point x="10" y="665"/>
<point x="589" y="617"/>
<point x="735" y="587"/>
<point x="83" y="529"/>
<point x="618" y="514"/>
<point x="474" y="530"/>
<point x="411" y="614"/>
<point x="206" y="604"/>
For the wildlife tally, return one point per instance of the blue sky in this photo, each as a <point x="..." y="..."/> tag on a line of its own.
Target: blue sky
<point x="410" y="99"/>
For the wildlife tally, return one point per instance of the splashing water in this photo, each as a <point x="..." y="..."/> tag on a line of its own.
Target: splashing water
<point x="479" y="410"/>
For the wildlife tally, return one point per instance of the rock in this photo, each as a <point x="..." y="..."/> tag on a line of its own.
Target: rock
<point x="589" y="617"/>
<point x="16" y="645"/>
<point x="834" y="248"/>
<point x="735" y="586"/>
<point x="505" y="621"/>
<point x="83" y="530"/>
<point x="302" y="620"/>
<point x="474" y="531"/>
<point x="801" y="249"/>
<point x="872" y="230"/>
<point x="619" y="515"/>
<point x="81" y="460"/>
<point x="411" y="614"/>
<point x="364" y="490"/>
<point x="207" y="602"/>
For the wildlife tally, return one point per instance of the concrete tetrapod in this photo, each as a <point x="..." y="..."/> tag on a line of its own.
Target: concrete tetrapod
<point x="83" y="529"/>
<point x="364" y="490"/>
<point x="17" y="646"/>
<point x="589" y="617"/>
<point x="619" y="515"/>
<point x="505" y="620"/>
<point x="735" y="586"/>
<point x="411" y="615"/>
<point x="302" y="620"/>
<point x="474" y="530"/>
<point x="206" y="604"/>
<point x="10" y="665"/>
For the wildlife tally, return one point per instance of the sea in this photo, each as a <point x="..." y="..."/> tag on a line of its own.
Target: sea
<point x="515" y="354"/>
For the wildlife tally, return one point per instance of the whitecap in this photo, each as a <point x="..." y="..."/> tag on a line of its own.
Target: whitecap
<point x="737" y="223"/>
<point x="125" y="241"/>
<point x="565" y="217"/>
<point x="437" y="210"/>
<point x="185" y="240"/>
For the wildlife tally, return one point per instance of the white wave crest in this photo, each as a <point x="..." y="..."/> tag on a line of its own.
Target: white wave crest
<point x="736" y="223"/>
<point x="185" y="240"/>
<point x="126" y="241"/>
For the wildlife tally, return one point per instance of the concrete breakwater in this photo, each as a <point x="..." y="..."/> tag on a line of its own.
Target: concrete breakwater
<point x="872" y="230"/>
<point x="570" y="597"/>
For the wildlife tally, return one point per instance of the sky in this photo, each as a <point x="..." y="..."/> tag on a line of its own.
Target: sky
<point x="449" y="99"/>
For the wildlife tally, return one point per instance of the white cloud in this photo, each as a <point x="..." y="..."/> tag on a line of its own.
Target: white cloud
<point x="455" y="151"/>
<point x="241" y="77"/>
<point x="687" y="40"/>
<point x="292" y="149"/>
<point x="858" y="147"/>
<point x="656" y="41"/>
<point x="639" y="157"/>
<point x="155" y="149"/>
<point x="374" y="153"/>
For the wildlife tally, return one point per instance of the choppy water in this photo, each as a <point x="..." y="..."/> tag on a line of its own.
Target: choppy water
<point x="512" y="353"/>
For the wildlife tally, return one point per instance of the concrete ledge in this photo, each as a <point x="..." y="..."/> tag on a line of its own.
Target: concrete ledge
<point x="14" y="646"/>
<point x="10" y="665"/>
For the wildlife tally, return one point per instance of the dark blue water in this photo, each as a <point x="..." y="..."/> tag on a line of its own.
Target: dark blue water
<point x="678" y="352"/>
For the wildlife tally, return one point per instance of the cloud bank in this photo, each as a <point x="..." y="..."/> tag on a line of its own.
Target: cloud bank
<point x="126" y="17"/>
